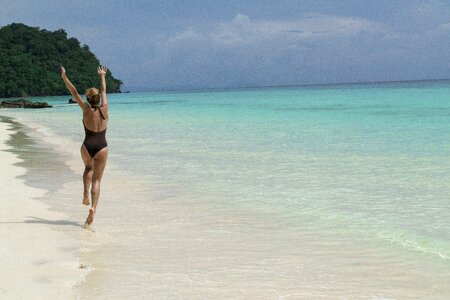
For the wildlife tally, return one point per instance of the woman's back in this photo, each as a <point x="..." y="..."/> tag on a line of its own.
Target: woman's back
<point x="95" y="118"/>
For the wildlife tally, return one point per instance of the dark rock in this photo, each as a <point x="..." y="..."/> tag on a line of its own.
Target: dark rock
<point x="23" y="103"/>
<point x="71" y="101"/>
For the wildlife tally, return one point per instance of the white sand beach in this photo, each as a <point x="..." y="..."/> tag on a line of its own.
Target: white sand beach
<point x="37" y="262"/>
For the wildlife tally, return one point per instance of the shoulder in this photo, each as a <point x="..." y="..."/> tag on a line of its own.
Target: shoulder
<point x="86" y="108"/>
<point x="104" y="108"/>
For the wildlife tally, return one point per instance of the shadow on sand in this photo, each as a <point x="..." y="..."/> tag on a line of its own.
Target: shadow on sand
<point x="36" y="220"/>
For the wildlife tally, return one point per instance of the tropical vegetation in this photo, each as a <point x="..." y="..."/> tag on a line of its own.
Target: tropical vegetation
<point x="30" y="58"/>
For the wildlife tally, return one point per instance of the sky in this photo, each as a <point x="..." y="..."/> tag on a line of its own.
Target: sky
<point x="158" y="45"/>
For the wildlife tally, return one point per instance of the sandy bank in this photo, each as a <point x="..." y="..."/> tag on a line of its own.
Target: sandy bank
<point x="38" y="262"/>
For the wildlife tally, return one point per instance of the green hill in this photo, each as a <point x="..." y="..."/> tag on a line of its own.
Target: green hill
<point x="30" y="60"/>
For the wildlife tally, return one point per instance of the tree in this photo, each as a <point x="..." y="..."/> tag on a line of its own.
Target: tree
<point x="30" y="60"/>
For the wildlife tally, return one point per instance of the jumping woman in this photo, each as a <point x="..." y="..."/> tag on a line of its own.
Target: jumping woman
<point x="94" y="150"/>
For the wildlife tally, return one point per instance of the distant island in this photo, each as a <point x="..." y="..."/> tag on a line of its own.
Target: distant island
<point x="30" y="60"/>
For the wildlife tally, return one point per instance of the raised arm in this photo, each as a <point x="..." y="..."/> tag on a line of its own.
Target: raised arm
<point x="72" y="89"/>
<point x="102" y="73"/>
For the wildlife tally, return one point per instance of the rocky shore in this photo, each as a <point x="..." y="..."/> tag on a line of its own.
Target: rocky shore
<point x="23" y="103"/>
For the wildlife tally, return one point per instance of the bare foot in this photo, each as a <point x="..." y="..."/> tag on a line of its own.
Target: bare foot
<point x="90" y="218"/>
<point x="89" y="227"/>
<point x="86" y="201"/>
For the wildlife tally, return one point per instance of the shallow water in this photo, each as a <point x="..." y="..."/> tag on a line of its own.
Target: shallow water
<point x="327" y="191"/>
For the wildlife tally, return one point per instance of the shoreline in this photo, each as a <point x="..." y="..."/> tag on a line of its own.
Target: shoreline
<point x="38" y="261"/>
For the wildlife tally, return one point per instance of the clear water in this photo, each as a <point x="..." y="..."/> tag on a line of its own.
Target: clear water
<point x="325" y="191"/>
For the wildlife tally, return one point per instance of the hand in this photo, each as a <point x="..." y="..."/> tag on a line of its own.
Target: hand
<point x="62" y="71"/>
<point x="101" y="70"/>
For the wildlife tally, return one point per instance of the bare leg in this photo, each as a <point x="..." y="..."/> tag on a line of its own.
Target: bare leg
<point x="87" y="175"/>
<point x="99" y="166"/>
<point x="87" y="180"/>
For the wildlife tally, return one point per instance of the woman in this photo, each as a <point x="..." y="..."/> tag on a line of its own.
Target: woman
<point x="94" y="150"/>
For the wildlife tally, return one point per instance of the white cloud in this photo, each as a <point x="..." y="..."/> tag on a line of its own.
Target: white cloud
<point x="315" y="48"/>
<point x="244" y="51"/>
<point x="243" y="30"/>
<point x="445" y="27"/>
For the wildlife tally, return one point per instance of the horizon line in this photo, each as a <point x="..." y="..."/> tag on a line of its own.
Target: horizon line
<point x="284" y="85"/>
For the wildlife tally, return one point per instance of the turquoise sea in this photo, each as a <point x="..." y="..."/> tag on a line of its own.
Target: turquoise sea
<point x="331" y="191"/>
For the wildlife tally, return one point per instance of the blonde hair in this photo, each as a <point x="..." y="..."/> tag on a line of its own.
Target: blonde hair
<point x="93" y="96"/>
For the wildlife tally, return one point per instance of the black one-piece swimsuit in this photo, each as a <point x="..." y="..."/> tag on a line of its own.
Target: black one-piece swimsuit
<point x="94" y="141"/>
